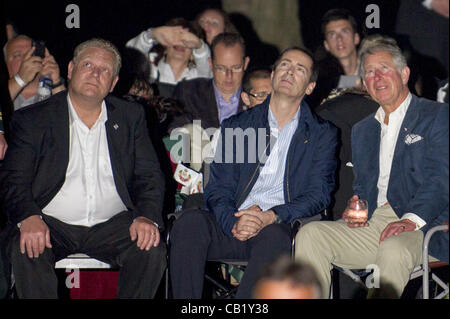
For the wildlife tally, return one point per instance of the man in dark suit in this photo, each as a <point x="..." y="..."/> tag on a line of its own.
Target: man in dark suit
<point x="400" y="161"/>
<point x="213" y="100"/>
<point x="81" y="175"/>
<point x="250" y="201"/>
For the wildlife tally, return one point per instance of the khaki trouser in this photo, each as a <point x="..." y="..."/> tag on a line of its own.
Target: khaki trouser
<point x="327" y="243"/>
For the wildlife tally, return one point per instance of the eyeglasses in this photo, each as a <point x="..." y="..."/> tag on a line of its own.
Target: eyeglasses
<point x="233" y="69"/>
<point x="259" y="95"/>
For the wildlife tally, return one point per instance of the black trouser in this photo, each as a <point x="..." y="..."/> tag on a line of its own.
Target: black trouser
<point x="196" y="237"/>
<point x="140" y="270"/>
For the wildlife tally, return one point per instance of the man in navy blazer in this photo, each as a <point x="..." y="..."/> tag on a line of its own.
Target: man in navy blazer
<point x="81" y="176"/>
<point x="400" y="161"/>
<point x="254" y="192"/>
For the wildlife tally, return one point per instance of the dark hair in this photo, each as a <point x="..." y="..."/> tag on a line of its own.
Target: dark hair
<point x="298" y="274"/>
<point x="228" y="40"/>
<point x="314" y="68"/>
<point x="338" y="14"/>
<point x="253" y="75"/>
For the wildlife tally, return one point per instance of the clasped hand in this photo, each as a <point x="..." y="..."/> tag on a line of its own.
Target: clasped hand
<point x="250" y="222"/>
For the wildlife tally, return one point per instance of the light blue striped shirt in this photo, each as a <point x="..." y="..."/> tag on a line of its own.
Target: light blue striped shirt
<point x="268" y="190"/>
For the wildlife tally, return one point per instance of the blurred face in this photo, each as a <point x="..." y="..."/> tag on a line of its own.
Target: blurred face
<point x="292" y="75"/>
<point x="92" y="75"/>
<point x="228" y="68"/>
<point x="212" y="23"/>
<point x="271" y="289"/>
<point x="385" y="83"/>
<point x="260" y="89"/>
<point x="340" y="39"/>
<point x="15" y="53"/>
<point x="178" y="52"/>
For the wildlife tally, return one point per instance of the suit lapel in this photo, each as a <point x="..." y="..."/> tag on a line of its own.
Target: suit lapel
<point x="409" y="123"/>
<point x="116" y="131"/>
<point x="60" y="135"/>
<point x="211" y="100"/>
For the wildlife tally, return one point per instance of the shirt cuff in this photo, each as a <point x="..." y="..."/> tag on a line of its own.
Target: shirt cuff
<point x="148" y="37"/>
<point x="427" y="4"/>
<point x="202" y="51"/>
<point x="416" y="219"/>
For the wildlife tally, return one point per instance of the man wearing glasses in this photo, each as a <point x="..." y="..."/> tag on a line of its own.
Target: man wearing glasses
<point x="250" y="203"/>
<point x="213" y="100"/>
<point x="256" y="87"/>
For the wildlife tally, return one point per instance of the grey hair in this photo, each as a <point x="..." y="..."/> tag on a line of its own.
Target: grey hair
<point x="102" y="44"/>
<point x="376" y="43"/>
<point x="5" y="47"/>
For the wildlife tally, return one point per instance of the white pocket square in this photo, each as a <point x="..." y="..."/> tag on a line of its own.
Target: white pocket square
<point x="412" y="138"/>
<point x="349" y="164"/>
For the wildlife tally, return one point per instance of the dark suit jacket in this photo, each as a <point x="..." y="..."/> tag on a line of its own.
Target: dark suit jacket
<point x="35" y="165"/>
<point x="309" y="174"/>
<point x="419" y="175"/>
<point x="344" y="111"/>
<point x="198" y="101"/>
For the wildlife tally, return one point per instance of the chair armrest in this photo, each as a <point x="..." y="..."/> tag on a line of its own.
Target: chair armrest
<point x="425" y="259"/>
<point x="298" y="223"/>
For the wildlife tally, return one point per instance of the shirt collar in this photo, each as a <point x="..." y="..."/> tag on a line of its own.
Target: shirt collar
<point x="398" y="114"/>
<point x="73" y="116"/>
<point x="273" y="123"/>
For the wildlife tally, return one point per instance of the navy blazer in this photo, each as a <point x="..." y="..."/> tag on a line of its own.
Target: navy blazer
<point x="419" y="175"/>
<point x="35" y="165"/>
<point x="309" y="176"/>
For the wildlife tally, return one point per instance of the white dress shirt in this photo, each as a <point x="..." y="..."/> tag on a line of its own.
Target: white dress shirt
<point x="162" y="72"/>
<point x="88" y="195"/>
<point x="388" y="141"/>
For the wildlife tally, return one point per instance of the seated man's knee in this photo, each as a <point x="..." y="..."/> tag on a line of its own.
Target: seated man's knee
<point x="308" y="231"/>
<point x="189" y="221"/>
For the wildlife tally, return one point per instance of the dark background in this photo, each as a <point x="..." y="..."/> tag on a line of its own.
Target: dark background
<point x="119" y="21"/>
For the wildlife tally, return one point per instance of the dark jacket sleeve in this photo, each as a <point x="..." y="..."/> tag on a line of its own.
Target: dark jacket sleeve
<point x="316" y="194"/>
<point x="17" y="172"/>
<point x="431" y="198"/>
<point x="148" y="181"/>
<point x="220" y="191"/>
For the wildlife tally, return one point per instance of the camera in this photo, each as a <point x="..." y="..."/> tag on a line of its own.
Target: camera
<point x="39" y="48"/>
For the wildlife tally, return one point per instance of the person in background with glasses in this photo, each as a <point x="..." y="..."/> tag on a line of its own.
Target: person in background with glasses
<point x="256" y="87"/>
<point x="213" y="100"/>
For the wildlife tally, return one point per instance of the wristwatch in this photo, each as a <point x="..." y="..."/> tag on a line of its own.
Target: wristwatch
<point x="59" y="83"/>
<point x="277" y="219"/>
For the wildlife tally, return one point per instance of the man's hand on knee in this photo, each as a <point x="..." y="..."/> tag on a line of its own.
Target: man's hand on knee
<point x="397" y="228"/>
<point x="146" y="233"/>
<point x="34" y="236"/>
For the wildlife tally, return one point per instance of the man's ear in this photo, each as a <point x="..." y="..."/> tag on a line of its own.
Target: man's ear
<point x="356" y="38"/>
<point x="114" y="83"/>
<point x="245" y="98"/>
<point x="326" y="46"/>
<point x="210" y="64"/>
<point x="310" y="88"/>
<point x="246" y="61"/>
<point x="69" y="70"/>
<point x="405" y="75"/>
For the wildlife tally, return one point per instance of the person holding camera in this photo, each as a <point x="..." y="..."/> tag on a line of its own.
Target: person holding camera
<point x="26" y="63"/>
